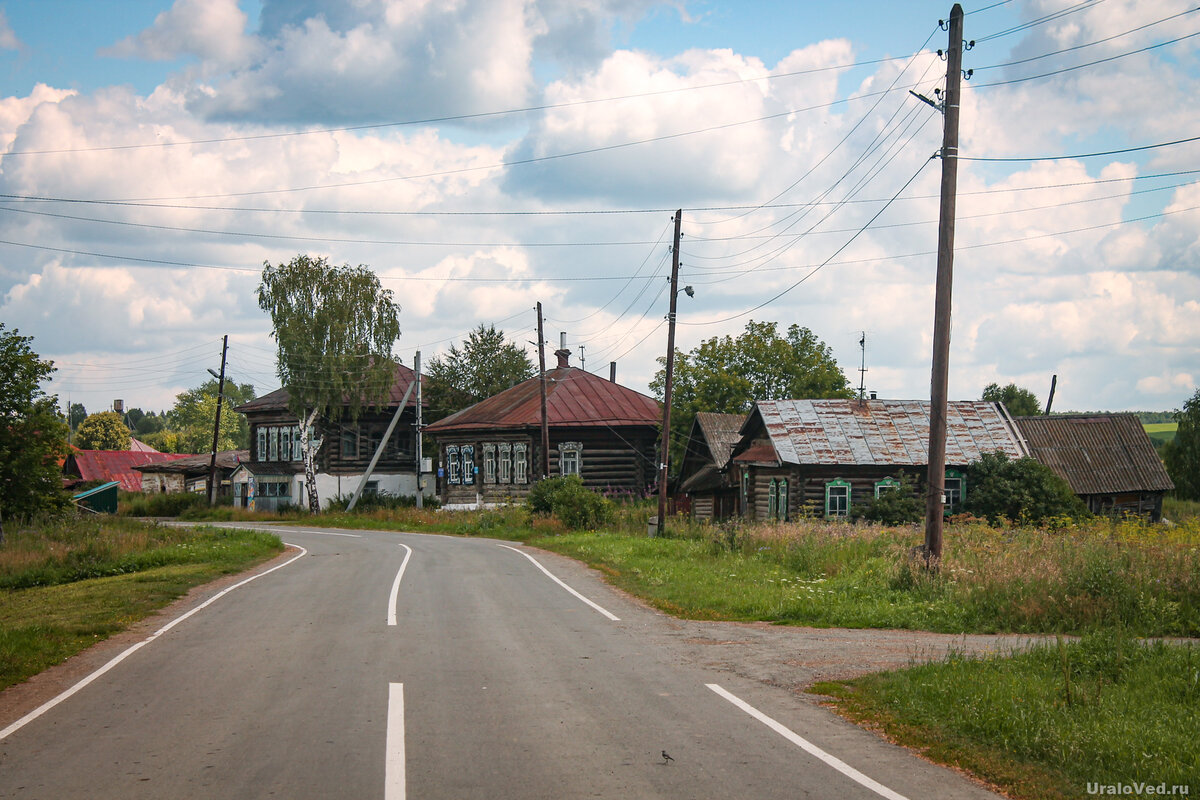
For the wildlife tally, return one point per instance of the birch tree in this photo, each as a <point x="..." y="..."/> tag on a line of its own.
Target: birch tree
<point x="334" y="328"/>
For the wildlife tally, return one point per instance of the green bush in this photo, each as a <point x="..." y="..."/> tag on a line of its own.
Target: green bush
<point x="898" y="506"/>
<point x="171" y="504"/>
<point x="1021" y="490"/>
<point x="567" y="498"/>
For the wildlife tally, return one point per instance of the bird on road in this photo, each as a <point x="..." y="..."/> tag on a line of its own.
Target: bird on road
<point x="666" y="757"/>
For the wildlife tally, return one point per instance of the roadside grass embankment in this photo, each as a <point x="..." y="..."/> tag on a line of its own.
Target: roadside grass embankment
<point x="67" y="584"/>
<point x="1106" y="710"/>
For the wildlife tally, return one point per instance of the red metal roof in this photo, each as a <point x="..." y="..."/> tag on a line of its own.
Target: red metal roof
<point x="278" y="399"/>
<point x="115" y="465"/>
<point x="574" y="397"/>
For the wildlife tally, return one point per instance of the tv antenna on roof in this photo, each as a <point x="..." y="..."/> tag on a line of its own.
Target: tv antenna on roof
<point x="862" y="370"/>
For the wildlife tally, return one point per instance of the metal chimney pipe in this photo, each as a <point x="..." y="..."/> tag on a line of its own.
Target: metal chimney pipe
<point x="612" y="372"/>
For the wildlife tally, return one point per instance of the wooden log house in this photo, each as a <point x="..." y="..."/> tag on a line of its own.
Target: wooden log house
<point x="491" y="452"/>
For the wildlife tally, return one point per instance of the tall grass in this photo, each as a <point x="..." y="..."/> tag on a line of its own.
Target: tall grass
<point x="1141" y="577"/>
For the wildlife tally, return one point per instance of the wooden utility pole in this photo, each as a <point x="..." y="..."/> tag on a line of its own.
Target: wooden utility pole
<point x="417" y="372"/>
<point x="661" y="527"/>
<point x="545" y="418"/>
<point x="212" y="465"/>
<point x="935" y="485"/>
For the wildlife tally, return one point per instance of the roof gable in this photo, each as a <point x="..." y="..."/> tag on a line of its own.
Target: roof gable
<point x="878" y="432"/>
<point x="574" y="397"/>
<point x="1096" y="453"/>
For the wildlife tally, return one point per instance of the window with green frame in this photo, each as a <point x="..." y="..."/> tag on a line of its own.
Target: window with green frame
<point x="772" y="500"/>
<point x="886" y="485"/>
<point x="837" y="499"/>
<point x="956" y="488"/>
<point x="781" y="507"/>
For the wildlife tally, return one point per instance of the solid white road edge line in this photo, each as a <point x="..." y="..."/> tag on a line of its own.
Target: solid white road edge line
<point x="552" y="577"/>
<point x="394" y="779"/>
<point x="807" y="746"/>
<point x="49" y="704"/>
<point x="396" y="586"/>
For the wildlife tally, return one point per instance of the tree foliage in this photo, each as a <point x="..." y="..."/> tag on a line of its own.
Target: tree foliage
<point x="334" y="328"/>
<point x="105" y="430"/>
<point x="1182" y="455"/>
<point x="727" y="375"/>
<point x="1018" y="490"/>
<point x="897" y="506"/>
<point x="195" y="410"/>
<point x="76" y="414"/>
<point x="33" y="435"/>
<point x="1019" y="402"/>
<point x="485" y="365"/>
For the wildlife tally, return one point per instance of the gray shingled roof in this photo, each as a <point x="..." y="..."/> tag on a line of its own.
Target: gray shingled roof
<point x="1097" y="453"/>
<point x="884" y="432"/>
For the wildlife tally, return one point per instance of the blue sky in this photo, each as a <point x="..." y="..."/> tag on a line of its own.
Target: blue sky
<point x="743" y="114"/>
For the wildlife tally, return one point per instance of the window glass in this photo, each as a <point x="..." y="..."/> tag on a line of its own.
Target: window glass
<point x="886" y="485"/>
<point x="350" y="443"/>
<point x="956" y="488"/>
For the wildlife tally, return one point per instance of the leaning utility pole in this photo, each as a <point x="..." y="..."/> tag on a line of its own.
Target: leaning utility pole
<point x="212" y="466"/>
<point x="542" y="374"/>
<point x="666" y="425"/>
<point x="935" y="484"/>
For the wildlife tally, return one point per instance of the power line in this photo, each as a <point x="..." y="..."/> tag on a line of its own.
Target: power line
<point x="1122" y="151"/>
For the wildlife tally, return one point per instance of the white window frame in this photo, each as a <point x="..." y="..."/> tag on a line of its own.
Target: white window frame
<point x="886" y="485"/>
<point x="489" y="463"/>
<point x="453" y="465"/>
<point x="835" y="488"/>
<point x="570" y="458"/>
<point x="506" y="463"/>
<point x="468" y="464"/>
<point x="520" y="463"/>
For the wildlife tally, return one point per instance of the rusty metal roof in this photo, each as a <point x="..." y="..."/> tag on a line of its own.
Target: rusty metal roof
<point x="1097" y="453"/>
<point x="278" y="399"/>
<point x="115" y="465"/>
<point x="881" y="432"/>
<point x="574" y="398"/>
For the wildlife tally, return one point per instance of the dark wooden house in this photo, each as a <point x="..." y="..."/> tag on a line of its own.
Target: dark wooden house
<point x="346" y="449"/>
<point x="820" y="457"/>
<point x="491" y="452"/>
<point x="1107" y="459"/>
<point x="704" y="477"/>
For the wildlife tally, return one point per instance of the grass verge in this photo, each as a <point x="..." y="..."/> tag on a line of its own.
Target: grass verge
<point x="1045" y="723"/>
<point x="65" y="585"/>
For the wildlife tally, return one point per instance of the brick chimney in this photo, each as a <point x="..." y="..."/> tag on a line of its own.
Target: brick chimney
<point x="563" y="355"/>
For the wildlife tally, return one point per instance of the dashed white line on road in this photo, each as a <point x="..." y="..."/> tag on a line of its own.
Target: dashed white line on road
<point x="394" y="787"/>
<point x="807" y="746"/>
<point x="49" y="704"/>
<point x="554" y="578"/>
<point x="396" y="586"/>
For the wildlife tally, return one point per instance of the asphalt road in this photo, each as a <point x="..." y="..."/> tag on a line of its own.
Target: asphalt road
<point x="490" y="676"/>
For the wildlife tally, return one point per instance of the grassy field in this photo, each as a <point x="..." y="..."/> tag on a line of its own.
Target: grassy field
<point x="1046" y="722"/>
<point x="1161" y="432"/>
<point x="66" y="585"/>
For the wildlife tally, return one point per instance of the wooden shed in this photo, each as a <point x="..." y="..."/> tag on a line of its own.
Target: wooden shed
<point x="704" y="477"/>
<point x="820" y="457"/>
<point x="491" y="452"/>
<point x="1107" y="459"/>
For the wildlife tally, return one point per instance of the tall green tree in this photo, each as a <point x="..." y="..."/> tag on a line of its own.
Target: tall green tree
<point x="195" y="410"/>
<point x="727" y="374"/>
<point x="76" y="414"/>
<point x="1019" y="402"/>
<point x="105" y="430"/>
<point x="1182" y="455"/>
<point x="334" y="328"/>
<point x="33" y="435"/>
<point x="485" y="365"/>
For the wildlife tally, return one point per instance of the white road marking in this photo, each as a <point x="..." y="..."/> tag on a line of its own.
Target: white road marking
<point x="394" y="780"/>
<point x="807" y="746"/>
<point x="554" y="578"/>
<point x="49" y="704"/>
<point x="396" y="586"/>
